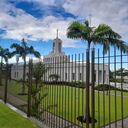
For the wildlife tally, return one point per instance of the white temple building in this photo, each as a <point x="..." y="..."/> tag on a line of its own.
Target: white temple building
<point x="69" y="70"/>
<point x="63" y="66"/>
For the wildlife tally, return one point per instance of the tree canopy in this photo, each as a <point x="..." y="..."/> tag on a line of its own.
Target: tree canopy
<point x="103" y="34"/>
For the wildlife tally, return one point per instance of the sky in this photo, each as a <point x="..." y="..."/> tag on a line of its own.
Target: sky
<point x="37" y="21"/>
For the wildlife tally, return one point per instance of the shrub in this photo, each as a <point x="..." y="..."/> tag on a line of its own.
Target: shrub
<point x="64" y="83"/>
<point x="116" y="80"/>
<point x="106" y="87"/>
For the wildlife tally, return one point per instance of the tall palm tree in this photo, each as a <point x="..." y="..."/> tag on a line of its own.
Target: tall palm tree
<point x="1" y="51"/>
<point x="104" y="35"/>
<point x="23" y="50"/>
<point x="7" y="55"/>
<point x="4" y="54"/>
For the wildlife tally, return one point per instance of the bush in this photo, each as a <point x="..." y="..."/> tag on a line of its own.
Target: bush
<point x="116" y="80"/>
<point x="106" y="87"/>
<point x="73" y="84"/>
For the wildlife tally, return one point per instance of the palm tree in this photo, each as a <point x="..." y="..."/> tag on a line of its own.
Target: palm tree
<point x="7" y="55"/>
<point x="1" y="51"/>
<point x="104" y="35"/>
<point x="23" y="50"/>
<point x="4" y="54"/>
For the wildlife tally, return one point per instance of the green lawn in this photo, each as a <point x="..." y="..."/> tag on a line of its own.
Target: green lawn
<point x="10" y="119"/>
<point x="70" y="105"/>
<point x="71" y="102"/>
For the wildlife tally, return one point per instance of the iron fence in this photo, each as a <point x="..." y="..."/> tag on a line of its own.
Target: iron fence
<point x="74" y="91"/>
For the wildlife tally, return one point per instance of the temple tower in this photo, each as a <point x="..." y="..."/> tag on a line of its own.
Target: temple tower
<point x="57" y="45"/>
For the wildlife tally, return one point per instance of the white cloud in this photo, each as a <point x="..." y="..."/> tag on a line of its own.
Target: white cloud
<point x="24" y="25"/>
<point x="13" y="59"/>
<point x="111" y="12"/>
<point x="41" y="2"/>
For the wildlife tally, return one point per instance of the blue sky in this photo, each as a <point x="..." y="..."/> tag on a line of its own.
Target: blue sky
<point x="38" y="20"/>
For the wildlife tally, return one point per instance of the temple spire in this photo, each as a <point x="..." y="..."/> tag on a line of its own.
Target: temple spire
<point x="57" y="33"/>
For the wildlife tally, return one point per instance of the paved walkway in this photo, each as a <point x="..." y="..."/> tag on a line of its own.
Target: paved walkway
<point x="12" y="99"/>
<point x="119" y="124"/>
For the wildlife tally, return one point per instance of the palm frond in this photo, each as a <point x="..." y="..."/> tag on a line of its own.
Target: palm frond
<point x="121" y="45"/>
<point x="23" y="50"/>
<point x="34" y="52"/>
<point x="5" y="54"/>
<point x="15" y="45"/>
<point x="77" y="30"/>
<point x="106" y="31"/>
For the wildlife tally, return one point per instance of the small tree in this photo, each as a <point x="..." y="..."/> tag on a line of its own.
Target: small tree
<point x="37" y="96"/>
<point x="39" y="92"/>
<point x="38" y="72"/>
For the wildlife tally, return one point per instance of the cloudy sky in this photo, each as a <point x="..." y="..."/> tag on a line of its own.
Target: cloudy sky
<point x="37" y="21"/>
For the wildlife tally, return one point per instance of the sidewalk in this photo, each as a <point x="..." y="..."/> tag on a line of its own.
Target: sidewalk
<point x="119" y="124"/>
<point x="12" y="99"/>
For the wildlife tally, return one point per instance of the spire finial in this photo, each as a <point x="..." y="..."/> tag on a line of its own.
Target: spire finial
<point x="57" y="33"/>
<point x="90" y="16"/>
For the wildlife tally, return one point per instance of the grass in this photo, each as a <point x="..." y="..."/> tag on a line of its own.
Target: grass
<point x="11" y="119"/>
<point x="70" y="105"/>
<point x="71" y="102"/>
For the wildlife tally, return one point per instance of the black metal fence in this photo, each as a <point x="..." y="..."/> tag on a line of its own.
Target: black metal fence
<point x="72" y="91"/>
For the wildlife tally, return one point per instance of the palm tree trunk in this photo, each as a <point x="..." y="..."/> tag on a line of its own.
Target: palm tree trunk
<point x="36" y="84"/>
<point x="6" y="83"/>
<point x="87" y="83"/>
<point x="24" y="75"/>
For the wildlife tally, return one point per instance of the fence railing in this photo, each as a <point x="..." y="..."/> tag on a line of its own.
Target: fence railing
<point x="72" y="91"/>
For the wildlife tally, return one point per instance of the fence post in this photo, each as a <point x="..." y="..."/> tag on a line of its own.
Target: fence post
<point x="92" y="89"/>
<point x="29" y="88"/>
<point x="87" y="87"/>
<point x="6" y="83"/>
